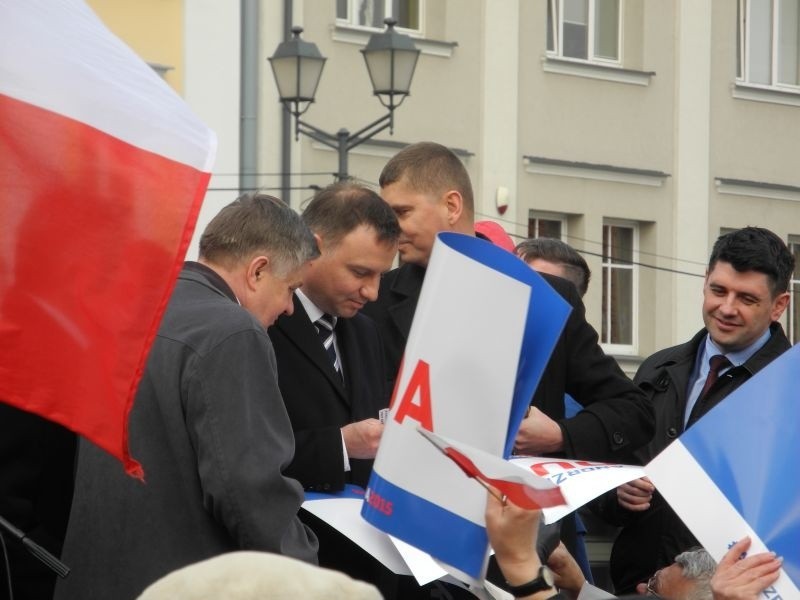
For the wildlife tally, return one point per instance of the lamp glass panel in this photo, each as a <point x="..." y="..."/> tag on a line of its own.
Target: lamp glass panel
<point x="310" y="73"/>
<point x="285" y="70"/>
<point x="379" y="65"/>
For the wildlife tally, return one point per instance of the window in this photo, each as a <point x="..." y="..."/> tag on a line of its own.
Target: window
<point x="545" y="228"/>
<point x="619" y="287"/>
<point x="371" y="13"/>
<point x="584" y="29"/>
<point x="794" y="291"/>
<point x="767" y="40"/>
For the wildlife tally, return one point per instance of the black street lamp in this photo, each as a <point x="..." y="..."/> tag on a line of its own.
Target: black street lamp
<point x="297" y="65"/>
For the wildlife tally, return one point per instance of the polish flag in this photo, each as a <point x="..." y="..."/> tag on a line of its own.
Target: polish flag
<point x="102" y="172"/>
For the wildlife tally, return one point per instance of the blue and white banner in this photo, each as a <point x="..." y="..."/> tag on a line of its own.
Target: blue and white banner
<point x="483" y="331"/>
<point x="734" y="473"/>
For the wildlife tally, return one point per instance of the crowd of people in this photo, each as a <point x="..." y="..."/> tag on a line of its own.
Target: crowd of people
<point x="279" y="348"/>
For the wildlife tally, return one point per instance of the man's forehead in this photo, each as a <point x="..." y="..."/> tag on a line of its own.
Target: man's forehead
<point x="723" y="270"/>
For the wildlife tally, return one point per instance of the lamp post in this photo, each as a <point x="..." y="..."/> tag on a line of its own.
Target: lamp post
<point x="297" y="65"/>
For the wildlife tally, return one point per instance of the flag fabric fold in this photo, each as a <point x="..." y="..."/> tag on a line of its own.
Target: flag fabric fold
<point x="103" y="172"/>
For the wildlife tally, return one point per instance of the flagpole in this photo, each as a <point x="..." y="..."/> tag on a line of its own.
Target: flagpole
<point x="39" y="552"/>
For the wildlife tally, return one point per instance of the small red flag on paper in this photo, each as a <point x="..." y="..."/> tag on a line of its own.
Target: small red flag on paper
<point x="521" y="487"/>
<point x="102" y="172"/>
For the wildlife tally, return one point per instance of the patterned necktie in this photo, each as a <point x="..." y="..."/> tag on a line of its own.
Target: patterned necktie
<point x="717" y="363"/>
<point x="324" y="326"/>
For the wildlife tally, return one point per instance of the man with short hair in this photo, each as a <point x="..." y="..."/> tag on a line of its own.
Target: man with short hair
<point x="429" y="189"/>
<point x="744" y="295"/>
<point x="332" y="374"/>
<point x="330" y="359"/>
<point x="208" y="426"/>
<point x="549" y="255"/>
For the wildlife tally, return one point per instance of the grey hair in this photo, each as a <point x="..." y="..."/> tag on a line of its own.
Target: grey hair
<point x="697" y="566"/>
<point x="254" y="224"/>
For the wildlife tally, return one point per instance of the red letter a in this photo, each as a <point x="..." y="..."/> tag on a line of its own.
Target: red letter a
<point x="420" y="381"/>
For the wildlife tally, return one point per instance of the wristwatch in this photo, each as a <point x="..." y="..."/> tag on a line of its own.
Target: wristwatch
<point x="544" y="581"/>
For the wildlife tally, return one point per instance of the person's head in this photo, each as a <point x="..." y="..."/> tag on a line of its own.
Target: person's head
<point x="357" y="233"/>
<point x="688" y="578"/>
<point x="429" y="190"/>
<point x="260" y="247"/>
<point x="549" y="255"/>
<point x="746" y="285"/>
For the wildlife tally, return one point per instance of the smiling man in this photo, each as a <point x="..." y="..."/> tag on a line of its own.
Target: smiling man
<point x="744" y="295"/>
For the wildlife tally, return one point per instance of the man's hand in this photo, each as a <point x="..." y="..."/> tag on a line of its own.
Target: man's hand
<point x="746" y="578"/>
<point x="512" y="533"/>
<point x="362" y="438"/>
<point x="568" y="575"/>
<point x="538" y="434"/>
<point x="636" y="495"/>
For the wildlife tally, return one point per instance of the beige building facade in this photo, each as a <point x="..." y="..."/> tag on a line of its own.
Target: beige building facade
<point x="635" y="130"/>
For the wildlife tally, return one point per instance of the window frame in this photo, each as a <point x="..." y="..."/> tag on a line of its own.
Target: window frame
<point x="351" y="21"/>
<point x="605" y="284"/>
<point x="544" y="216"/>
<point x="744" y="40"/>
<point x="556" y="23"/>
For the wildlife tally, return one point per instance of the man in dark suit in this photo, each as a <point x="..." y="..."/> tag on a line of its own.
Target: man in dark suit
<point x="744" y="295"/>
<point x="331" y="374"/>
<point x="332" y="379"/>
<point x="429" y="189"/>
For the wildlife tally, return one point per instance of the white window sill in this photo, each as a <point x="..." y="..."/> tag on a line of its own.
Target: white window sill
<point x="605" y="72"/>
<point x="758" y="93"/>
<point x="623" y="351"/>
<point x="359" y="36"/>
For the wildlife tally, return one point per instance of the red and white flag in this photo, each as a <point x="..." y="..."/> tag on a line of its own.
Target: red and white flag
<point x="103" y="169"/>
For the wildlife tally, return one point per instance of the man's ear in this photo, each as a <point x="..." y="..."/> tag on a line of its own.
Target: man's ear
<point x="256" y="270"/>
<point x="318" y="239"/>
<point x="454" y="203"/>
<point x="779" y="305"/>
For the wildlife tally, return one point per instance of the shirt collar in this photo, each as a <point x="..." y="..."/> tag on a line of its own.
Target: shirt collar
<point x="312" y="310"/>
<point x="740" y="356"/>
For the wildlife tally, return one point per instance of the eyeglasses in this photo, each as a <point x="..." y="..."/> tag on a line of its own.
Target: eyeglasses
<point x="651" y="586"/>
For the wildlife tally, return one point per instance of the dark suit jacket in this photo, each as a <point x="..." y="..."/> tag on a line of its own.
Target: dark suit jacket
<point x="37" y="460"/>
<point x="319" y="403"/>
<point x="617" y="418"/>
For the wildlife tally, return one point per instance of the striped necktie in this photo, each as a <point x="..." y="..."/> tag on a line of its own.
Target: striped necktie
<point x="324" y="326"/>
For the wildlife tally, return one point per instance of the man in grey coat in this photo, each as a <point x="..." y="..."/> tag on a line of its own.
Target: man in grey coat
<point x="208" y="425"/>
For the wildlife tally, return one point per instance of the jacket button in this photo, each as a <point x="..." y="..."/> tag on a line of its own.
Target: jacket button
<point x="618" y="438"/>
<point x="672" y="432"/>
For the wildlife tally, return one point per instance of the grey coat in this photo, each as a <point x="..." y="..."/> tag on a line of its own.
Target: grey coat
<point x="211" y="432"/>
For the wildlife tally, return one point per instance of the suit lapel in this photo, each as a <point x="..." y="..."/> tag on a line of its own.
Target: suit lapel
<point x="299" y="329"/>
